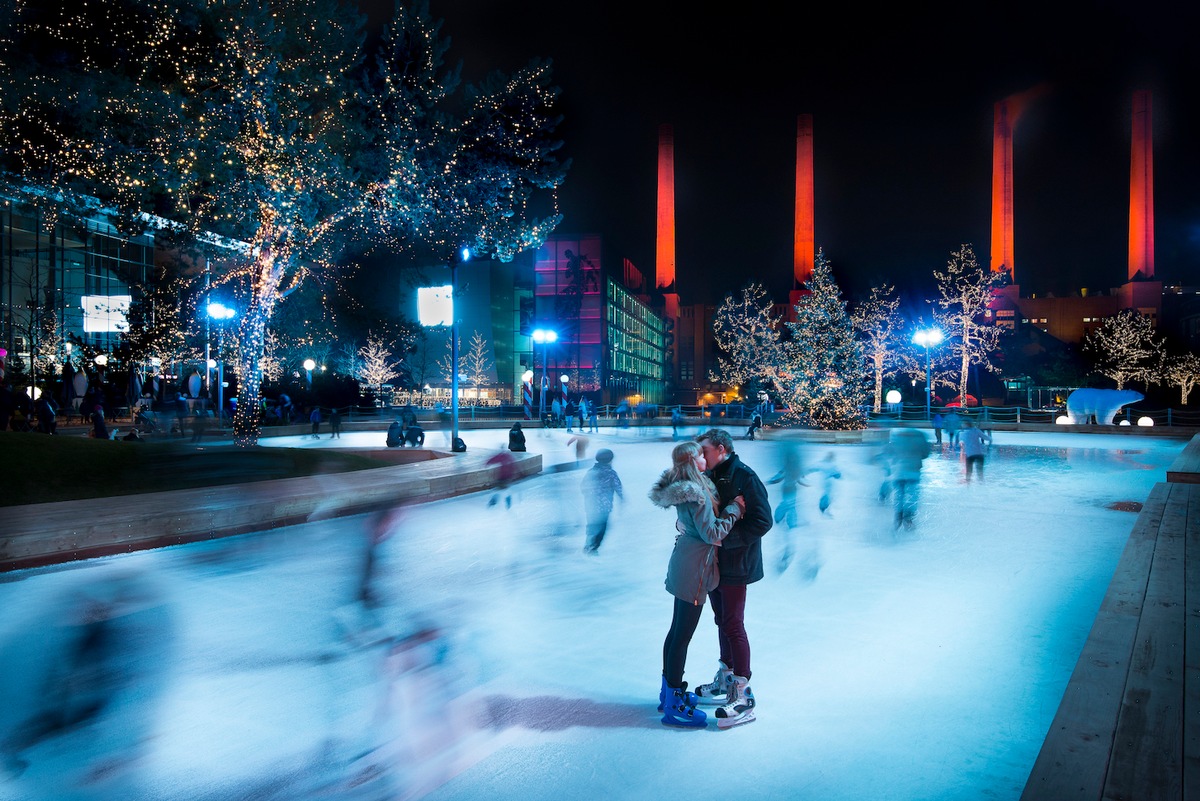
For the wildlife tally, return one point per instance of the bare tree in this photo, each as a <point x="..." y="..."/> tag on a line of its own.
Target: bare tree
<point x="477" y="363"/>
<point x="378" y="367"/>
<point x="749" y="336"/>
<point x="1125" y="348"/>
<point x="1183" y="371"/>
<point x="965" y="287"/>
<point x="878" y="323"/>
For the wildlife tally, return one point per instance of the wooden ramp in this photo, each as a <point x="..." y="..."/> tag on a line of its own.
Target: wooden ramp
<point x="1128" y="726"/>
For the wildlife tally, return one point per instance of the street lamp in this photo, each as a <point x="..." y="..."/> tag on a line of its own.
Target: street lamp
<point x="544" y="336"/>
<point x="309" y="364"/>
<point x="221" y="313"/>
<point x="927" y="338"/>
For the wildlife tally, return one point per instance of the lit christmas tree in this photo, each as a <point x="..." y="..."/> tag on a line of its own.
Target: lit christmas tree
<point x="828" y="388"/>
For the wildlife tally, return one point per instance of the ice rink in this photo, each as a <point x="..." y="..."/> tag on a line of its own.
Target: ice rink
<point x="503" y="663"/>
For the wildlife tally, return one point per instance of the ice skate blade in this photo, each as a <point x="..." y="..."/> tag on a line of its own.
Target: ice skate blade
<point x="729" y="723"/>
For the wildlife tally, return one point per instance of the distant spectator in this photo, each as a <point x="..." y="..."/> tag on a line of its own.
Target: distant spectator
<point x="335" y="423"/>
<point x="314" y="417"/>
<point x="516" y="438"/>
<point x="99" y="426"/>
<point x="395" y="435"/>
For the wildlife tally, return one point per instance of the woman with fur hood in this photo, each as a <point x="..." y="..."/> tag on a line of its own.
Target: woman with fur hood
<point x="692" y="572"/>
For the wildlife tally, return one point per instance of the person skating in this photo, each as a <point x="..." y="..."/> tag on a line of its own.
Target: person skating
<point x="828" y="470"/>
<point x="692" y="572"/>
<point x="740" y="562"/>
<point x="975" y="442"/>
<point x="599" y="486"/>
<point x="791" y="477"/>
<point x="907" y="448"/>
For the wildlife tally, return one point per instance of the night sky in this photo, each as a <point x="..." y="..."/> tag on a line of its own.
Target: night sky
<point x="902" y="100"/>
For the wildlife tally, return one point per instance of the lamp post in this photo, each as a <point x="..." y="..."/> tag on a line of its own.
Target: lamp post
<point x="466" y="254"/>
<point x="544" y="337"/>
<point x="309" y="364"/>
<point x="221" y="313"/>
<point x="927" y="338"/>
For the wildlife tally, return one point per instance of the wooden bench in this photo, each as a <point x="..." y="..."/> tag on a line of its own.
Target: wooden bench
<point x="1128" y="726"/>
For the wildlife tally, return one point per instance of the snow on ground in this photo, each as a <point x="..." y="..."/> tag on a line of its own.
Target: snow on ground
<point x="503" y="663"/>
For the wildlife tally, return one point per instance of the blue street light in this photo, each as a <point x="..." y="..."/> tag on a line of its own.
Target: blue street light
<point x="221" y="313"/>
<point x="545" y="337"/>
<point x="927" y="338"/>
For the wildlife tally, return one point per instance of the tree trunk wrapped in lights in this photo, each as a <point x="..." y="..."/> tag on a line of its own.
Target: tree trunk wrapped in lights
<point x="878" y="322"/>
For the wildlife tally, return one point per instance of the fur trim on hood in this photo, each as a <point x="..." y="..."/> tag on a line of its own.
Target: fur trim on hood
<point x="677" y="492"/>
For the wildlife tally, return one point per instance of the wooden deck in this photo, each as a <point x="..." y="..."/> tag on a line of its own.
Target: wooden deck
<point x="1128" y="726"/>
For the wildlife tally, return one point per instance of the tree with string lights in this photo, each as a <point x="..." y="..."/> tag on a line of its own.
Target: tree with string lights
<point x="377" y="366"/>
<point x="1182" y="370"/>
<point x="828" y="387"/>
<point x="878" y="323"/>
<point x="966" y="289"/>
<point x="749" y="338"/>
<point x="1125" y="348"/>
<point x="260" y="131"/>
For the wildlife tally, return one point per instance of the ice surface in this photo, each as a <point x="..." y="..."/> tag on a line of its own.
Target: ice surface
<point x="503" y="663"/>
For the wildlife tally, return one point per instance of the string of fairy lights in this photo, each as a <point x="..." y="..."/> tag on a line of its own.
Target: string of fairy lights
<point x="266" y="123"/>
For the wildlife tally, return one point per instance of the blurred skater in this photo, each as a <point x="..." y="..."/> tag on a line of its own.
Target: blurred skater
<point x="599" y="486"/>
<point x="828" y="470"/>
<point x="975" y="442"/>
<point x="790" y="478"/>
<point x="906" y="450"/>
<point x="505" y="472"/>
<point x="580" y="441"/>
<point x="82" y="682"/>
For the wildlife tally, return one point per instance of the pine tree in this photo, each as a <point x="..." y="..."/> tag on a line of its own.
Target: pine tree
<point x="878" y="324"/>
<point x="966" y="288"/>
<point x="825" y="383"/>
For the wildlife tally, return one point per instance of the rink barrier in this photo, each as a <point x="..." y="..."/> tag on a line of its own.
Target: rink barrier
<point x="55" y="533"/>
<point x="1128" y="725"/>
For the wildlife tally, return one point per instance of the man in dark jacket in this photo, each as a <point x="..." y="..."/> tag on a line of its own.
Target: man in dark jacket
<point x="741" y="564"/>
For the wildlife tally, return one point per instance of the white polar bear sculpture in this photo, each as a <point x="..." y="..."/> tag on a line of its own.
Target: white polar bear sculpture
<point x="1103" y="403"/>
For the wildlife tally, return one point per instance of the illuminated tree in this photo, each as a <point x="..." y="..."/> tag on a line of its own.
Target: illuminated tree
<point x="965" y="289"/>
<point x="749" y="336"/>
<point x="477" y="363"/>
<point x="1124" y="348"/>
<point x="826" y="386"/>
<point x="878" y="323"/>
<point x="258" y="131"/>
<point x="377" y="365"/>
<point x="444" y="364"/>
<point x="163" y="320"/>
<point x="1183" y="371"/>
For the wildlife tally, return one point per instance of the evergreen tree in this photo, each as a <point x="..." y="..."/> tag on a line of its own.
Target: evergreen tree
<point x="827" y="387"/>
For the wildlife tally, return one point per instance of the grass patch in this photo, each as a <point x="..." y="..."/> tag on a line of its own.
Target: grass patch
<point x="36" y="468"/>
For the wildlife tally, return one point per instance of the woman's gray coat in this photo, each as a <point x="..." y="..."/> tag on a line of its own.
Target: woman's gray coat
<point x="692" y="572"/>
